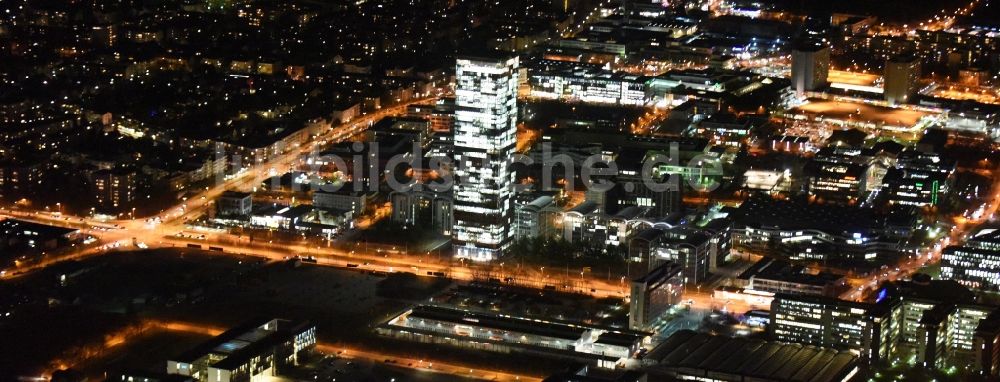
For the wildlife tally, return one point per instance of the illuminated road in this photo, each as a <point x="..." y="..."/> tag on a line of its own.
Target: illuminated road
<point x="960" y="229"/>
<point x="562" y="279"/>
<point x="151" y="231"/>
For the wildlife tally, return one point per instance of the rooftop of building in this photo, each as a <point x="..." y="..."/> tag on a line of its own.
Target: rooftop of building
<point x="701" y="353"/>
<point x="581" y="70"/>
<point x="233" y="347"/>
<point x="888" y="147"/>
<point x="990" y="324"/>
<point x="551" y="328"/>
<point x="989" y="234"/>
<point x="879" y="308"/>
<point x="17" y="227"/>
<point x="586" y="207"/>
<point x="849" y="137"/>
<point x="586" y="374"/>
<point x="775" y="269"/>
<point x="716" y="222"/>
<point x="483" y="53"/>
<point x="235" y="194"/>
<point x="809" y="45"/>
<point x="617" y="339"/>
<point x="648" y="234"/>
<point x="922" y="287"/>
<point x="352" y="188"/>
<point x="937" y="314"/>
<point x="858" y="111"/>
<point x="934" y="138"/>
<point x="274" y="209"/>
<point x="664" y="271"/>
<point x="684" y="235"/>
<point x="540" y="202"/>
<point x="761" y="211"/>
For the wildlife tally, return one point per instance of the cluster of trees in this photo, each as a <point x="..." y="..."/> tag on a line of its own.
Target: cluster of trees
<point x="557" y="251"/>
<point x="386" y="231"/>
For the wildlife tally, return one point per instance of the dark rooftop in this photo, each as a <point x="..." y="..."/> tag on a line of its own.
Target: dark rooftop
<point x="765" y="212"/>
<point x="689" y="353"/>
<point x="775" y="269"/>
<point x="553" y="329"/>
<point x="923" y="288"/>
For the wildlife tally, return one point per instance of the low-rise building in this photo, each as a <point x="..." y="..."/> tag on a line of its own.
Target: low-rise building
<point x="935" y="323"/>
<point x="422" y="207"/>
<point x="777" y="276"/>
<point x="975" y="264"/>
<point x="257" y="349"/>
<point x="234" y="203"/>
<point x="344" y="197"/>
<point x="830" y="322"/>
<point x="799" y="230"/>
<point x="586" y="83"/>
<point x="605" y="346"/>
<point x="688" y="355"/>
<point x="536" y="219"/>
<point x="20" y="237"/>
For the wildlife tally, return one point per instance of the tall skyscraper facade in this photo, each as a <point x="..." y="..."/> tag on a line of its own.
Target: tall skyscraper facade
<point x="485" y="139"/>
<point x="810" y="65"/>
<point x="901" y="79"/>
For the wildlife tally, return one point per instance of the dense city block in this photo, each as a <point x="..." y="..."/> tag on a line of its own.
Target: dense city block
<point x="516" y="190"/>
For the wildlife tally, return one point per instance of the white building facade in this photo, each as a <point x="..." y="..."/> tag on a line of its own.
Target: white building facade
<point x="485" y="138"/>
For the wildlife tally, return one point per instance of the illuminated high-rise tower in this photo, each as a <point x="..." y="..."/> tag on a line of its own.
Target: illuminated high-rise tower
<point x="810" y="65"/>
<point x="902" y="74"/>
<point x="485" y="138"/>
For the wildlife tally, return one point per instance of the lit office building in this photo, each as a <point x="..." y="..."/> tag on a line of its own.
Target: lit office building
<point x="586" y="224"/>
<point x="914" y="187"/>
<point x="939" y="324"/>
<point x="838" y="174"/>
<point x="654" y="293"/>
<point x="686" y="246"/>
<point x="836" y="182"/>
<point x="810" y="66"/>
<point x="604" y="346"/>
<point x="251" y="352"/>
<point x="919" y="179"/>
<point x="901" y="76"/>
<point x="420" y="208"/>
<point x="829" y="322"/>
<point x="771" y="275"/>
<point x="537" y="218"/>
<point x="934" y="323"/>
<point x="808" y="231"/>
<point x="484" y="139"/>
<point x="946" y="335"/>
<point x="976" y="264"/>
<point x="586" y="83"/>
<point x="114" y="189"/>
